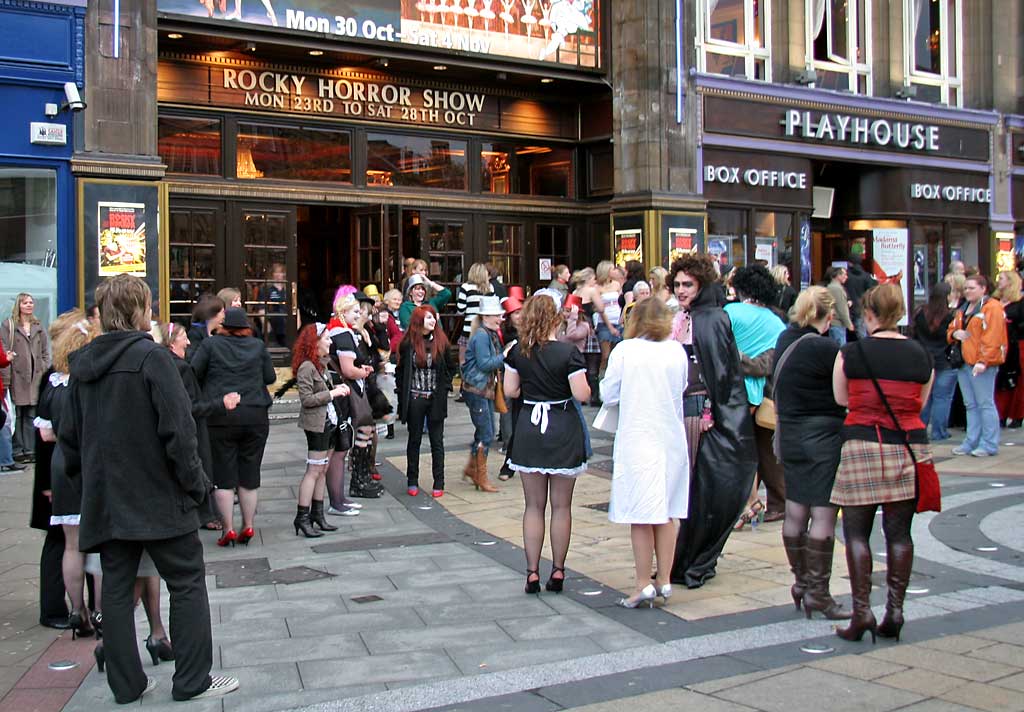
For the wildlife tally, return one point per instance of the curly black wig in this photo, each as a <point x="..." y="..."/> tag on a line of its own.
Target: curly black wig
<point x="755" y="282"/>
<point x="700" y="267"/>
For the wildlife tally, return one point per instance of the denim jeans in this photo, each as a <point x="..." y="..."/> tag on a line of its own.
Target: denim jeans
<point x="838" y="334"/>
<point x="979" y="394"/>
<point x="6" y="453"/>
<point x="481" y="412"/>
<point x="936" y="410"/>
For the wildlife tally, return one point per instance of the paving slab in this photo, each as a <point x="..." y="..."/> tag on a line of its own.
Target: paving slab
<point x="799" y="688"/>
<point x="396" y="667"/>
<point x="450" y="637"/>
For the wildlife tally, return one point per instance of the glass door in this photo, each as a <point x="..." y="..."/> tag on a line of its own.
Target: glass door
<point x="196" y="255"/>
<point x="266" y="251"/>
<point x="368" y="226"/>
<point x="443" y="242"/>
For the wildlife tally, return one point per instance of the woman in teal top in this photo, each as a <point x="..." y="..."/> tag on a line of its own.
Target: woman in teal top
<point x="416" y="295"/>
<point x="756" y="329"/>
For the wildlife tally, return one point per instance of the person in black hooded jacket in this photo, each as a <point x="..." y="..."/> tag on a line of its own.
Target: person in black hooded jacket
<point x="717" y="416"/>
<point x="142" y="481"/>
<point x="234" y="361"/>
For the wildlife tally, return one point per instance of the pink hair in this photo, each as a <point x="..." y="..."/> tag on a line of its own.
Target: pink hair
<point x="343" y="291"/>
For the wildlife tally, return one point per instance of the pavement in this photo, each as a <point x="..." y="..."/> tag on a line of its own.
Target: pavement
<point x="417" y="604"/>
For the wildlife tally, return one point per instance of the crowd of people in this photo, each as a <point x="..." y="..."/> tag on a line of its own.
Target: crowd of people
<point x="712" y="385"/>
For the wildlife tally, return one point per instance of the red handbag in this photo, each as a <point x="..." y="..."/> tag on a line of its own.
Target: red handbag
<point x="928" y="490"/>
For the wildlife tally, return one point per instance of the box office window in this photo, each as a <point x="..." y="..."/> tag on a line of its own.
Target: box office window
<point x="415" y="161"/>
<point x="527" y="170"/>
<point x="293" y="153"/>
<point x="190" y="145"/>
<point x="28" y="239"/>
<point x="933" y="49"/>
<point x="735" y="38"/>
<point x="838" y="41"/>
<point x="727" y="236"/>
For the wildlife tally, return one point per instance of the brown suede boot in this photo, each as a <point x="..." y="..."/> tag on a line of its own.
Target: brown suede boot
<point x="795" y="553"/>
<point x="818" y="556"/>
<point x="482" y="481"/>
<point x="858" y="561"/>
<point x="469" y="471"/>
<point x="899" y="560"/>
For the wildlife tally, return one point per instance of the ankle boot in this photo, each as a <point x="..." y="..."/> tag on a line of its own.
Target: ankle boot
<point x="481" y="479"/>
<point x="303" y="524"/>
<point x="900" y="561"/>
<point x="316" y="517"/>
<point x="794" y="546"/>
<point x="391" y="432"/>
<point x="858" y="561"/>
<point x="360" y="483"/>
<point x="818" y="558"/>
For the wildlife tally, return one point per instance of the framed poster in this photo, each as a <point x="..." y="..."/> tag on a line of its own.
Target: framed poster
<point x="121" y="230"/>
<point x="681" y="241"/>
<point x="628" y="246"/>
<point x="889" y="254"/>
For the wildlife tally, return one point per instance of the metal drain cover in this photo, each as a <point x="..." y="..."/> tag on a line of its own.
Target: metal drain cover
<point x="63" y="665"/>
<point x="816" y="649"/>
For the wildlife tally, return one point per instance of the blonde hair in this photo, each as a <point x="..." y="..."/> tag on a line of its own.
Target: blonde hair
<point x="582" y="276"/>
<point x="63" y="321"/>
<point x="1012" y="292"/>
<point x="228" y="294"/>
<point x="169" y="332"/>
<point x="343" y="304"/>
<point x="123" y="301"/>
<point x="956" y="282"/>
<point x="886" y="302"/>
<point x="77" y="332"/>
<point x="813" y="304"/>
<point x="420" y="263"/>
<point x="16" y="310"/>
<point x="649" y="319"/>
<point x="479" y="277"/>
<point x="658" y="278"/>
<point x="604" y="271"/>
<point x="780" y="273"/>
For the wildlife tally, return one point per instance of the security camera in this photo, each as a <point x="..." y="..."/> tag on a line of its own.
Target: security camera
<point x="74" y="99"/>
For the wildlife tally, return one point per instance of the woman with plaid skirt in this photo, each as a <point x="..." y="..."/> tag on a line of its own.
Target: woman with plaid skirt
<point x="883" y="380"/>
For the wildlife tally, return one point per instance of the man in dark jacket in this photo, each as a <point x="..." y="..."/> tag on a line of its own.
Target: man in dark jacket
<point x="858" y="281"/>
<point x="130" y="436"/>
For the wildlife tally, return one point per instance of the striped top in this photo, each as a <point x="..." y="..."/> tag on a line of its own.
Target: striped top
<point x="467" y="301"/>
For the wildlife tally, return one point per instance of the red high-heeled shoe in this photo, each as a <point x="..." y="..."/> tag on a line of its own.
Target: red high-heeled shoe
<point x="245" y="535"/>
<point x="229" y="538"/>
<point x="437" y="493"/>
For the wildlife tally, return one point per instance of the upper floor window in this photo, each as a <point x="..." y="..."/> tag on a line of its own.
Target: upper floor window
<point x="839" y="44"/>
<point x="933" y="55"/>
<point x="735" y="38"/>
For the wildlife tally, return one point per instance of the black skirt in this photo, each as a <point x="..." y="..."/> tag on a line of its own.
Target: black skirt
<point x="810" y="457"/>
<point x="559" y="450"/>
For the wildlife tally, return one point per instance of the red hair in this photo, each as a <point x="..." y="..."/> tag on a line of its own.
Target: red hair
<point x="305" y="349"/>
<point x="414" y="335"/>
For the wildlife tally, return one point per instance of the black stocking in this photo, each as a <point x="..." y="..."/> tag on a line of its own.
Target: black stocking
<point x="561" y="517"/>
<point x="822" y="521"/>
<point x="535" y="490"/>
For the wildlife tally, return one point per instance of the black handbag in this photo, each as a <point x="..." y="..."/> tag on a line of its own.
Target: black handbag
<point x="955" y="355"/>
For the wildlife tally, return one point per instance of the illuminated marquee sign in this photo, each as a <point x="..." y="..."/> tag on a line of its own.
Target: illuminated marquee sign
<point x="563" y="32"/>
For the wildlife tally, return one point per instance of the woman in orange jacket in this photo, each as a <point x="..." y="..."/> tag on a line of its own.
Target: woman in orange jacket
<point x="980" y="328"/>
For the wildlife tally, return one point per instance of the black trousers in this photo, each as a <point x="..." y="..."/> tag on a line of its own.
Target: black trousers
<point x="418" y="410"/>
<point x="180" y="564"/>
<point x="52" y="605"/>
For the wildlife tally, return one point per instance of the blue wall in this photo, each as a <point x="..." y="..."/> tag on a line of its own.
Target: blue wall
<point x="42" y="46"/>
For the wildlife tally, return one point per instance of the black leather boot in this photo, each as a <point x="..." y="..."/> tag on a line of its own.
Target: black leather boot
<point x="316" y="517"/>
<point x="794" y="546"/>
<point x="302" y="523"/>
<point x="361" y="486"/>
<point x="818" y="558"/>
<point x="858" y="561"/>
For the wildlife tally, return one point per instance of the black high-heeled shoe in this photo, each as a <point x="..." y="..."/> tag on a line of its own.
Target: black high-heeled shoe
<point x="96" y="618"/>
<point x="101" y="658"/>
<point x="77" y="622"/>
<point x="159" y="649"/>
<point x="555" y="584"/>
<point x="532" y="586"/>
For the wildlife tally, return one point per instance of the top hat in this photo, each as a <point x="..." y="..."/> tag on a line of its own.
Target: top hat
<point x="490" y="306"/>
<point x="573" y="300"/>
<point x="517" y="292"/>
<point x="415" y="280"/>
<point x="371" y="290"/>
<point x="234" y="318"/>
<point x="512" y="304"/>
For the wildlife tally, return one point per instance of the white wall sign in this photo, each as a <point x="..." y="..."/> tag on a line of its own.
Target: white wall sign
<point x="860" y="130"/>
<point x="48" y="134"/>
<point x="889" y="254"/>
<point x="544" y="267"/>
<point x="757" y="177"/>
<point x="950" y="193"/>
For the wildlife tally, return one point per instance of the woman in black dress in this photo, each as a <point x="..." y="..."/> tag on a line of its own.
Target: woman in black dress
<point x="549" y="448"/>
<point x="233" y="361"/>
<point x="66" y="497"/>
<point x="808" y="428"/>
<point x="207" y="317"/>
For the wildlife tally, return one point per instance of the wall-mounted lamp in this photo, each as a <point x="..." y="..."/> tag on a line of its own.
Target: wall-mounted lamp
<point x="806" y="77"/>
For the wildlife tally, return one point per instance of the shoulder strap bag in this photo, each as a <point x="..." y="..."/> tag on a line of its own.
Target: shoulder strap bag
<point x="776" y="442"/>
<point x="929" y="492"/>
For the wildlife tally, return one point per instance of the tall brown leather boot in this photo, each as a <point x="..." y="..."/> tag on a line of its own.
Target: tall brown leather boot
<point x="900" y="561"/>
<point x="858" y="561"/>
<point x="818" y="556"/>
<point x="482" y="481"/>
<point x="795" y="553"/>
<point x="469" y="471"/>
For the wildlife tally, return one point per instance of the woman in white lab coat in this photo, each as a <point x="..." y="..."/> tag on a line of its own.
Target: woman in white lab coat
<point x="646" y="377"/>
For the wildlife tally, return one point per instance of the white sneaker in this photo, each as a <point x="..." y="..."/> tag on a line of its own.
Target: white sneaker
<point x="221" y="685"/>
<point x="348" y="512"/>
<point x="961" y="451"/>
<point x="352" y="504"/>
<point x="982" y="453"/>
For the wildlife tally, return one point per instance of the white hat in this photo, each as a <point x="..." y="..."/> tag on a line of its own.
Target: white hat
<point x="490" y="306"/>
<point x="551" y="294"/>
